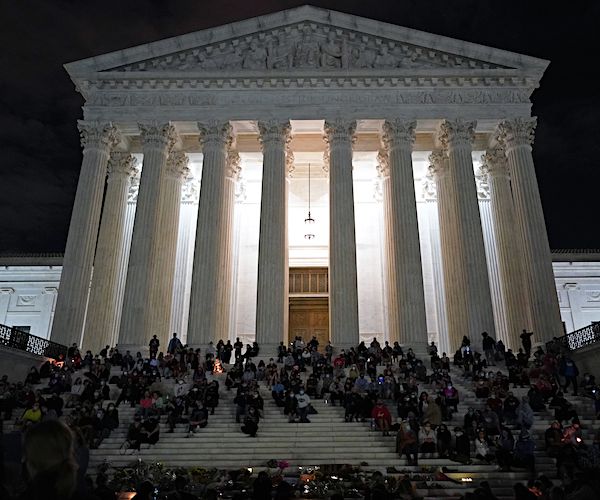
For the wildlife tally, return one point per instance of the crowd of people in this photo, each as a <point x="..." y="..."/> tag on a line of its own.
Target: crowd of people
<point x="380" y="384"/>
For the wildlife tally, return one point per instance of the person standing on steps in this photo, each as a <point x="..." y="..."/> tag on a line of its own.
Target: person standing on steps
<point x="568" y="369"/>
<point x="526" y="341"/>
<point x="237" y="348"/>
<point x="154" y="343"/>
<point x="489" y="348"/>
<point x="175" y="345"/>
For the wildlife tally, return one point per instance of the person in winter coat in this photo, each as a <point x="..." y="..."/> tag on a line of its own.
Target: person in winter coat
<point x="427" y="440"/>
<point x="482" y="448"/>
<point x="382" y="417"/>
<point x="568" y="369"/>
<point x="406" y="443"/>
<point x="524" y="414"/>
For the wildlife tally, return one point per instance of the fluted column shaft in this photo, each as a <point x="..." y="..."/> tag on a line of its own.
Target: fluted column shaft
<point x="177" y="171"/>
<point x="232" y="175"/>
<point x="507" y="247"/>
<point x="343" y="293"/>
<point x="406" y="296"/>
<point x="457" y="137"/>
<point x="272" y="290"/>
<point x="454" y="290"/>
<point x="100" y="327"/>
<point x="517" y="136"/>
<point x="144" y="311"/>
<point x="205" y="322"/>
<point x="97" y="140"/>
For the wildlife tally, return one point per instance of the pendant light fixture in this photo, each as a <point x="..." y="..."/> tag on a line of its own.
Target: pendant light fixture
<point x="309" y="221"/>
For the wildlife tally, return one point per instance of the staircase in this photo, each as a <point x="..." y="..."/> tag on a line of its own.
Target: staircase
<point x="327" y="439"/>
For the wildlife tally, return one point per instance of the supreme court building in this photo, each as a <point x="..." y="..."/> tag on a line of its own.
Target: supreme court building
<point x="203" y="153"/>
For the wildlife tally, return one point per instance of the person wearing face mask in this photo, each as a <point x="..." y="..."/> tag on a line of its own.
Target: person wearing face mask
<point x="451" y="397"/>
<point x="427" y="440"/>
<point x="303" y="405"/>
<point x="406" y="443"/>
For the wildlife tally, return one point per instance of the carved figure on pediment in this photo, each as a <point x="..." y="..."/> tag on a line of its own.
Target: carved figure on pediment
<point x="334" y="54"/>
<point x="363" y="57"/>
<point x="279" y="54"/>
<point x="190" y="61"/>
<point x="233" y="60"/>
<point x="384" y="59"/>
<point x="206" y="62"/>
<point x="306" y="54"/>
<point x="255" y="57"/>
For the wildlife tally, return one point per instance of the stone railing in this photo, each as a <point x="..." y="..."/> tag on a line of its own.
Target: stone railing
<point x="23" y="341"/>
<point x="577" y="339"/>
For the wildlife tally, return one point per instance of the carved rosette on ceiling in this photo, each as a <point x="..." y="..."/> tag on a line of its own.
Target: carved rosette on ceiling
<point x="305" y="46"/>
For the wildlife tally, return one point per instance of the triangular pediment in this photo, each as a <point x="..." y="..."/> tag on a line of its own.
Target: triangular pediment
<point x="306" y="40"/>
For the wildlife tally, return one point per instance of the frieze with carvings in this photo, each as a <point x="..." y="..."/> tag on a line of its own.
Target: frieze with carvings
<point x="305" y="46"/>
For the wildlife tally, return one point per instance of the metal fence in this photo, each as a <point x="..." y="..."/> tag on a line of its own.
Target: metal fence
<point x="23" y="341"/>
<point x="579" y="338"/>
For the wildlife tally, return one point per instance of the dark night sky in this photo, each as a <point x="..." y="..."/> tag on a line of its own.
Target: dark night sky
<point x="39" y="145"/>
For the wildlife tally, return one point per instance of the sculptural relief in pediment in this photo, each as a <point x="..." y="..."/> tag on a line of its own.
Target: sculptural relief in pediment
<point x="305" y="46"/>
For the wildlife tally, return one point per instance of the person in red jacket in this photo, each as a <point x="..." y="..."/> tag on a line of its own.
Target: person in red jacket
<point x="382" y="417"/>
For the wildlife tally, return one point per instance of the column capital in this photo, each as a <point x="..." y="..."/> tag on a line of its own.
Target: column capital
<point x="121" y="165"/>
<point x="438" y="164"/>
<point x="383" y="164"/>
<point x="398" y="133"/>
<point x="457" y="133"/>
<point x="234" y="165"/>
<point x="494" y="163"/>
<point x="157" y="135"/>
<point x="274" y="133"/>
<point x="98" y="135"/>
<point x="177" y="165"/>
<point x="340" y="131"/>
<point x="214" y="133"/>
<point x="516" y="132"/>
<point x="482" y="183"/>
<point x="289" y="162"/>
<point x="326" y="158"/>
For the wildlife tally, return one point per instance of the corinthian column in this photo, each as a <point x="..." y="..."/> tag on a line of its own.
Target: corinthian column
<point x="343" y="293"/>
<point x="97" y="139"/>
<point x="517" y="137"/>
<point x="145" y="311"/>
<point x="272" y="294"/>
<point x="205" y="321"/>
<point x="100" y="327"/>
<point x="406" y="296"/>
<point x="177" y="171"/>
<point x="507" y="247"/>
<point x="457" y="137"/>
<point x="455" y="296"/>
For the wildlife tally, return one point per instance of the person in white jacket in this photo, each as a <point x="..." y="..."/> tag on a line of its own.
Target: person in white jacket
<point x="427" y="440"/>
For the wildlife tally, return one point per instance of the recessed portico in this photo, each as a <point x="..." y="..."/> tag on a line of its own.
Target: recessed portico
<point x="393" y="123"/>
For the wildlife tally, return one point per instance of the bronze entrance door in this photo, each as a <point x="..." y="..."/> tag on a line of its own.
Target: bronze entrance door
<point x="309" y="316"/>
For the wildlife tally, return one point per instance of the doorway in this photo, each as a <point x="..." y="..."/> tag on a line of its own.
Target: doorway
<point x="309" y="316"/>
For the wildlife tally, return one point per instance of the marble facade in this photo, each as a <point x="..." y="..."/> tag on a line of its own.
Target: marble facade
<point x="302" y="86"/>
